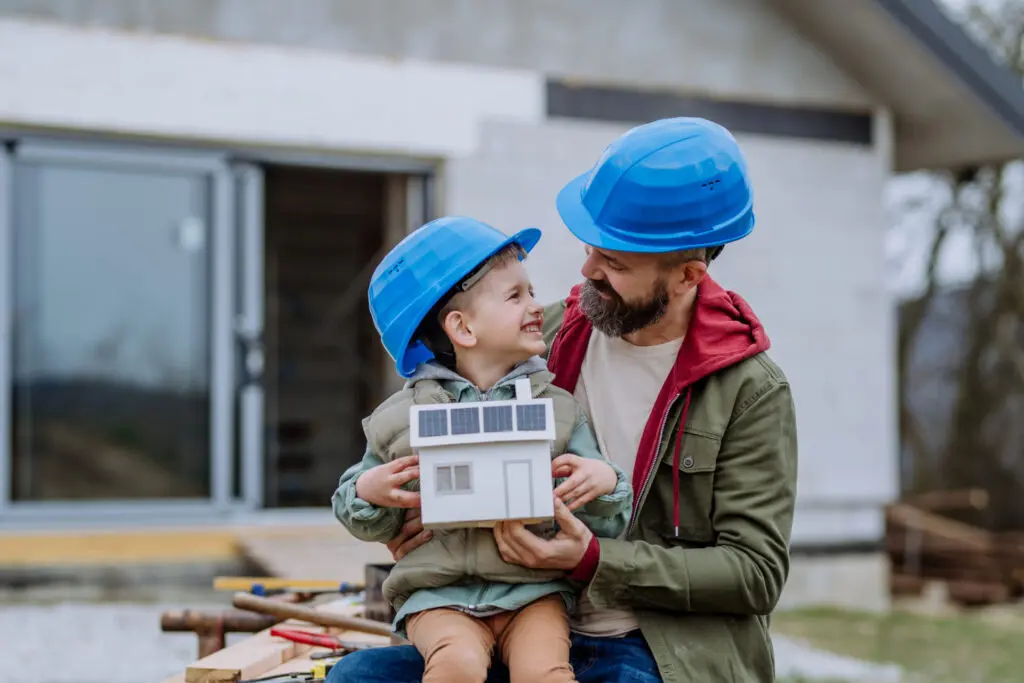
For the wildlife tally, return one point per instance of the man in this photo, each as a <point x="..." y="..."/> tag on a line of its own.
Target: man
<point x="673" y="372"/>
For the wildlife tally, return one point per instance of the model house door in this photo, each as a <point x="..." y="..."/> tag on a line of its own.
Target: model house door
<point x="518" y="489"/>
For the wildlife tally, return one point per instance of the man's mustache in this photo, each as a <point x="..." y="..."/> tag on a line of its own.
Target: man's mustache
<point x="604" y="288"/>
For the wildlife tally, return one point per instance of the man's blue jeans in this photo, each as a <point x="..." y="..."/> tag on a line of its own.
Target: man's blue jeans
<point x="595" y="660"/>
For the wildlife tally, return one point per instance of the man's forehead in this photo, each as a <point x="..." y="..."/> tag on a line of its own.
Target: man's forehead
<point x="626" y="257"/>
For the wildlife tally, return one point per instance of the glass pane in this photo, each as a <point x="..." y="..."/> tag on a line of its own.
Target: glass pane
<point x="462" y="478"/>
<point x="443" y="475"/>
<point x="110" y="360"/>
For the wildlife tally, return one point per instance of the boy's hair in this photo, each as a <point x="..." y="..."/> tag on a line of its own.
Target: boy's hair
<point x="431" y="331"/>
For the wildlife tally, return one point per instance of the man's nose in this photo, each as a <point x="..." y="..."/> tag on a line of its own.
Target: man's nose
<point x="589" y="269"/>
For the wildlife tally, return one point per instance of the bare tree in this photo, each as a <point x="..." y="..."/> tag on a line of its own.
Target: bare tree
<point x="981" y="434"/>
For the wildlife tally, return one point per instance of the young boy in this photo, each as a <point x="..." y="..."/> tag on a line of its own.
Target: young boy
<point x="455" y="309"/>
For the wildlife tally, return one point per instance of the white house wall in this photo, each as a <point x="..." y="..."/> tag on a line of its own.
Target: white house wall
<point x="812" y="270"/>
<point x="735" y="49"/>
<point x="182" y="88"/>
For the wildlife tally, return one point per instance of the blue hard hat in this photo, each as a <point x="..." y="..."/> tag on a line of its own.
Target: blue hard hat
<point x="669" y="185"/>
<point x="420" y="270"/>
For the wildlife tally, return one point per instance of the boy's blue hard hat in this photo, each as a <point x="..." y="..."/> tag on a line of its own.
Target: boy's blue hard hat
<point x="420" y="270"/>
<point x="668" y="185"/>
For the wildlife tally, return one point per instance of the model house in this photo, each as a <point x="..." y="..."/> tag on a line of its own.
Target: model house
<point x="486" y="461"/>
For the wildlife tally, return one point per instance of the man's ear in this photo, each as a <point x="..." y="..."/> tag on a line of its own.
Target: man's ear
<point x="456" y="324"/>
<point x="686" y="276"/>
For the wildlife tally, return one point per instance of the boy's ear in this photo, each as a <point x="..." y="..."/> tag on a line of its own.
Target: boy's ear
<point x="456" y="326"/>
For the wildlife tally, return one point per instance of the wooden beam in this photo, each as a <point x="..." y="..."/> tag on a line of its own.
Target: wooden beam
<point x="262" y="653"/>
<point x="936" y="501"/>
<point x="940" y="527"/>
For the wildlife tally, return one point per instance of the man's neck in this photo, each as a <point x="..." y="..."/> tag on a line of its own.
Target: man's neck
<point x="670" y="327"/>
<point x="484" y="372"/>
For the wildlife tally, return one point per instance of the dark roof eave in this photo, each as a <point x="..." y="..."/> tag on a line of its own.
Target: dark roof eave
<point x="995" y="86"/>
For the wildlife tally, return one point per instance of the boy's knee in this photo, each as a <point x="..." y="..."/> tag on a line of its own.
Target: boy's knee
<point x="458" y="663"/>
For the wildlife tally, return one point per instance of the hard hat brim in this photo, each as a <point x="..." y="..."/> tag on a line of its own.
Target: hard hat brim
<point x="581" y="224"/>
<point x="415" y="352"/>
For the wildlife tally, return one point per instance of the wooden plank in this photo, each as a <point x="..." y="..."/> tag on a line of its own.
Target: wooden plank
<point x="250" y="658"/>
<point x="935" y="501"/>
<point x="262" y="654"/>
<point x="978" y="592"/>
<point x="329" y="551"/>
<point x="906" y="584"/>
<point x="940" y="527"/>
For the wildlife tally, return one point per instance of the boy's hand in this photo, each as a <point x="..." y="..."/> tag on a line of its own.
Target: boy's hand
<point x="382" y="485"/>
<point x="587" y="479"/>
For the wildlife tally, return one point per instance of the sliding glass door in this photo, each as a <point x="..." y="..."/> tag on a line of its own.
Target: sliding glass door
<point x="119" y="291"/>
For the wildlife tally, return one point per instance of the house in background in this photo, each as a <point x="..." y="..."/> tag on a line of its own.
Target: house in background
<point x="194" y="194"/>
<point x="485" y="462"/>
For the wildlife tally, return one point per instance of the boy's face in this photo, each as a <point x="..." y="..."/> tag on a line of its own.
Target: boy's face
<point x="502" y="320"/>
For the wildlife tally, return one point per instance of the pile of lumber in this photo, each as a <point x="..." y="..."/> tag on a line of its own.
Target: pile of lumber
<point x="976" y="566"/>
<point x="264" y="655"/>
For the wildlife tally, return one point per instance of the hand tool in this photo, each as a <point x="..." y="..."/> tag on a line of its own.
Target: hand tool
<point x="262" y="585"/>
<point x="319" y="617"/>
<point x="321" y="640"/>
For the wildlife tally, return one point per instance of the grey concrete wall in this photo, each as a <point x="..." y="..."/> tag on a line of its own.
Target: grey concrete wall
<point x="727" y="48"/>
<point x="812" y="270"/>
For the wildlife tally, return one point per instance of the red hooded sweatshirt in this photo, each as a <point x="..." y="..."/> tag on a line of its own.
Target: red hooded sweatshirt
<point x="723" y="331"/>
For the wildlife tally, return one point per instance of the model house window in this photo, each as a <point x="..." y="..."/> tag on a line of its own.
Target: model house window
<point x="453" y="479"/>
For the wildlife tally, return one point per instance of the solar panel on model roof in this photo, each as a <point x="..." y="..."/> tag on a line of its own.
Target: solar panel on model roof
<point x="531" y="418"/>
<point x="433" y="422"/>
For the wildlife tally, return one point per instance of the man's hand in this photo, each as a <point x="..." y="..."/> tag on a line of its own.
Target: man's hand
<point x="519" y="545"/>
<point x="587" y="479"/>
<point x="381" y="485"/>
<point x="411" y="536"/>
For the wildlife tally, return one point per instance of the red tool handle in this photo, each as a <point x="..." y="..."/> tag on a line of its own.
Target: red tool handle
<point x="306" y="637"/>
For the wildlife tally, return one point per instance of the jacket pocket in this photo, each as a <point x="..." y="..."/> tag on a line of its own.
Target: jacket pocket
<point x="697" y="461"/>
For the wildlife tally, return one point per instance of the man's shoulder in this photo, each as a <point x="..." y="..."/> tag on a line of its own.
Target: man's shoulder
<point x="752" y="378"/>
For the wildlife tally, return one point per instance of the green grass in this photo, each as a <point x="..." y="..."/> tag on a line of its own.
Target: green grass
<point x="954" y="649"/>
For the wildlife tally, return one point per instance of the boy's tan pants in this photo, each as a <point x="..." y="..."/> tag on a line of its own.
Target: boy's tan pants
<point x="533" y="643"/>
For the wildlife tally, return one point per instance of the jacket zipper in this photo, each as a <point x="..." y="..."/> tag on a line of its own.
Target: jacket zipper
<point x="649" y="479"/>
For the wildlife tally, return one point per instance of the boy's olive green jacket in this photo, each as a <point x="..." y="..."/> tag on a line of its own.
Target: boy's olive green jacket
<point x="705" y="556"/>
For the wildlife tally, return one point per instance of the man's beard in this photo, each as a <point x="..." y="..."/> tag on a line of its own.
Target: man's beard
<point x="617" y="317"/>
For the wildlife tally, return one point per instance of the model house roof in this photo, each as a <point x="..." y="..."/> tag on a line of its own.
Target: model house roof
<point x="482" y="422"/>
<point x="953" y="104"/>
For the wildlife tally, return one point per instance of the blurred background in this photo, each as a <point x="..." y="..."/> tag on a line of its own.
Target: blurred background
<point x="194" y="193"/>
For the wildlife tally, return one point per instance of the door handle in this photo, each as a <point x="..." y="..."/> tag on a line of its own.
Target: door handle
<point x="252" y="355"/>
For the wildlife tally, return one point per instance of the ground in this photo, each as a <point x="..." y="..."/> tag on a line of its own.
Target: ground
<point x="115" y="638"/>
<point x="982" y="647"/>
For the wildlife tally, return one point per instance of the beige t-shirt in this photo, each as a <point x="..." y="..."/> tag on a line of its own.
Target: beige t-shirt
<point x="617" y="388"/>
